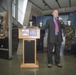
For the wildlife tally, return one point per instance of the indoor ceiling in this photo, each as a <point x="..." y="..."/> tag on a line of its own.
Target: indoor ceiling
<point x="45" y="5"/>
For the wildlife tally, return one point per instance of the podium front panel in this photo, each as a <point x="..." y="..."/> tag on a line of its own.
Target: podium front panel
<point x="29" y="50"/>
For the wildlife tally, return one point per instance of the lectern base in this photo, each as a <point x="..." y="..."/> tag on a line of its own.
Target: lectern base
<point x="31" y="65"/>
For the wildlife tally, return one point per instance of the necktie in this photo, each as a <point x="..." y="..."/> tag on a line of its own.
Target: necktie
<point x="56" y="26"/>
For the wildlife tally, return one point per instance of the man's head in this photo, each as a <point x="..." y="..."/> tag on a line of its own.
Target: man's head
<point x="55" y="13"/>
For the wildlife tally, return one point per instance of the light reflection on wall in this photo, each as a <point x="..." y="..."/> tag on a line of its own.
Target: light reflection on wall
<point x="13" y="8"/>
<point x="22" y="4"/>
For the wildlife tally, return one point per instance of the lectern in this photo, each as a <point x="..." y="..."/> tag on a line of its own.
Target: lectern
<point x="29" y="36"/>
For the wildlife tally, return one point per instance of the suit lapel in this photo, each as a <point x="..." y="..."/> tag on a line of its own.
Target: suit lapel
<point x="53" y="23"/>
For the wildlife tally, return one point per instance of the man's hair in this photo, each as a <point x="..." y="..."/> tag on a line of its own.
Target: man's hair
<point x="54" y="10"/>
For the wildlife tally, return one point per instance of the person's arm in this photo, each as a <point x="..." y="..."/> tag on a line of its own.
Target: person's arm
<point x="62" y="25"/>
<point x="61" y="22"/>
<point x="45" y="26"/>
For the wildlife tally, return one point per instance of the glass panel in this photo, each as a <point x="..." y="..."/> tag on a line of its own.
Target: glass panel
<point x="21" y="10"/>
<point x="13" y="10"/>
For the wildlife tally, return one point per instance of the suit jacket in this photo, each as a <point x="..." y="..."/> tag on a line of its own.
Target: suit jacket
<point x="51" y="30"/>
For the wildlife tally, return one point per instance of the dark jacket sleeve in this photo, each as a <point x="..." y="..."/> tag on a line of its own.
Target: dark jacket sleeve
<point x="62" y="25"/>
<point x="45" y="26"/>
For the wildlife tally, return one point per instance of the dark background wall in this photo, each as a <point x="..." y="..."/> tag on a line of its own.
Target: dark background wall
<point x="73" y="18"/>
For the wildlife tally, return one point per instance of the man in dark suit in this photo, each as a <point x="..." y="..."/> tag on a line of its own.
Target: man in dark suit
<point x="54" y="26"/>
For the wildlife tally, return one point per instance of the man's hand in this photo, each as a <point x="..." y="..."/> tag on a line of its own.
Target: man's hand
<point x="60" y="19"/>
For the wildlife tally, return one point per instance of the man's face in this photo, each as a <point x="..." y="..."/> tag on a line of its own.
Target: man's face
<point x="55" y="13"/>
